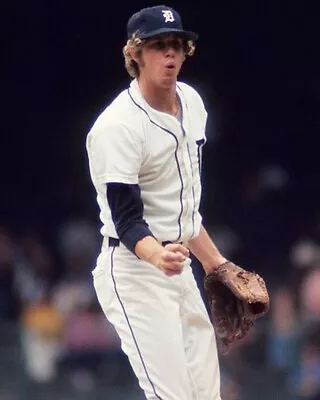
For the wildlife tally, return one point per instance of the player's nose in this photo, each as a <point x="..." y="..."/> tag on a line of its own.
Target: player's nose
<point x="170" y="52"/>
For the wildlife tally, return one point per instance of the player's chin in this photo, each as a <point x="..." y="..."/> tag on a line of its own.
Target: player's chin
<point x="168" y="80"/>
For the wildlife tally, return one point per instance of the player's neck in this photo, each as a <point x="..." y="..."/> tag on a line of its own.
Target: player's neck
<point x="161" y="99"/>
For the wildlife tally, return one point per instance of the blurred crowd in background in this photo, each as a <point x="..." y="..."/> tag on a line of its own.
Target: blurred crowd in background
<point x="53" y="330"/>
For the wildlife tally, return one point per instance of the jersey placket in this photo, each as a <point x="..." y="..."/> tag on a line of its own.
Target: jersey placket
<point x="188" y="194"/>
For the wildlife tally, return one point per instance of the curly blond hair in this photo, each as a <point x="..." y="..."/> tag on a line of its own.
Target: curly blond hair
<point x="135" y="44"/>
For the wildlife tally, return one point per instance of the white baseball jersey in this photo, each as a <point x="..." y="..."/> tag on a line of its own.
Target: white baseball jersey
<point x="133" y="143"/>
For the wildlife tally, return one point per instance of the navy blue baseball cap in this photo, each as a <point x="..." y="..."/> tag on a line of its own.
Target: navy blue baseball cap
<point x="157" y="20"/>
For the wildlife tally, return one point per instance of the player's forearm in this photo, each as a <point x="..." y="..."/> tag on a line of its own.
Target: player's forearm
<point x="203" y="248"/>
<point x="148" y="249"/>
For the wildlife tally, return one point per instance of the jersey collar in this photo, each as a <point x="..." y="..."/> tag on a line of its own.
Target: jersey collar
<point x="162" y="119"/>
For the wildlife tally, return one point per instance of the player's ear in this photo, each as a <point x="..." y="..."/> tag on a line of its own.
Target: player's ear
<point x="134" y="54"/>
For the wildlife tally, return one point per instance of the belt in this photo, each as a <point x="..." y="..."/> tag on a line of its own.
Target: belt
<point x="115" y="242"/>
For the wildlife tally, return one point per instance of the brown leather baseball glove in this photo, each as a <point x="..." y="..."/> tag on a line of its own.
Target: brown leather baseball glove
<point x="237" y="298"/>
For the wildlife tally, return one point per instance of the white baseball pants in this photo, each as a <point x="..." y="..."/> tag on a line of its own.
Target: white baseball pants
<point x="163" y="326"/>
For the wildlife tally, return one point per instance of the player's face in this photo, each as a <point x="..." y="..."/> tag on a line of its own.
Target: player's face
<point x="161" y="60"/>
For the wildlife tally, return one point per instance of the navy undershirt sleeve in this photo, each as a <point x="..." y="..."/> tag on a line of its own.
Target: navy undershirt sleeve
<point x="127" y="213"/>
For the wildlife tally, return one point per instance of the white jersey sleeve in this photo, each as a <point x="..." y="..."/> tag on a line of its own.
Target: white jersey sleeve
<point x="115" y="153"/>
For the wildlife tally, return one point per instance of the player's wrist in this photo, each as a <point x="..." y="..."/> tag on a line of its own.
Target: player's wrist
<point x="149" y="250"/>
<point x="154" y="257"/>
<point x="214" y="264"/>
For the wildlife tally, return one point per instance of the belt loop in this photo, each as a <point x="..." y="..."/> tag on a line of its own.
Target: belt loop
<point x="114" y="242"/>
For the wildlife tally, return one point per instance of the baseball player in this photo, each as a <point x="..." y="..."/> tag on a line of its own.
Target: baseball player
<point x="145" y="162"/>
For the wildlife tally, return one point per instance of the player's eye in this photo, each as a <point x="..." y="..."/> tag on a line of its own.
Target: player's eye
<point x="160" y="45"/>
<point x="176" y="44"/>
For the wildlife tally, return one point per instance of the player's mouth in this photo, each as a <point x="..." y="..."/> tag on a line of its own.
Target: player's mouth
<point x="170" y="65"/>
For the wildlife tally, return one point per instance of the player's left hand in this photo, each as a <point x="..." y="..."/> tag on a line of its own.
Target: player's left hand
<point x="237" y="299"/>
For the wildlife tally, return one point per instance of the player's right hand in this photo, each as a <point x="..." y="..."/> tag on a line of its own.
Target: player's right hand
<point x="172" y="259"/>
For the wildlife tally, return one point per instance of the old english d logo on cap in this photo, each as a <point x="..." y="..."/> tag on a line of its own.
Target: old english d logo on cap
<point x="168" y="15"/>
